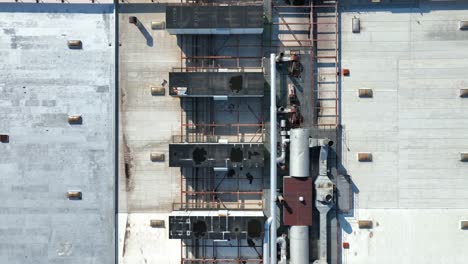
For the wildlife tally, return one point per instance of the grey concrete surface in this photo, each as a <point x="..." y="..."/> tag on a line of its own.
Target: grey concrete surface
<point x="147" y="122"/>
<point x="412" y="56"/>
<point x="42" y="81"/>
<point x="414" y="124"/>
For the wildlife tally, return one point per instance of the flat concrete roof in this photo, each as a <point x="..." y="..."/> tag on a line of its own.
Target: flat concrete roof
<point x="415" y="61"/>
<point x="43" y="82"/>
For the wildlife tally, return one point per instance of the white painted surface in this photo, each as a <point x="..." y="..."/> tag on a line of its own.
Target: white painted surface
<point x="406" y="236"/>
<point x="415" y="125"/>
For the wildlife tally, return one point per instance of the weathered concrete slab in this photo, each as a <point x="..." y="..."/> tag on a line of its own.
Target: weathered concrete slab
<point x="43" y="82"/>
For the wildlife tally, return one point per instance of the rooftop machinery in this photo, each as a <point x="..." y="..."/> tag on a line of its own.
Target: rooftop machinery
<point x="219" y="147"/>
<point x="297" y="196"/>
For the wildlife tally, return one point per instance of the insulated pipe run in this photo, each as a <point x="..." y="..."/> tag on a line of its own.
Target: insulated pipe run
<point x="282" y="242"/>
<point x="273" y="141"/>
<point x="266" y="237"/>
<point x="284" y="142"/>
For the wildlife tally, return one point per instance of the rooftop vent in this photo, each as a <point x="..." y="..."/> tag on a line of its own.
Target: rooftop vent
<point x="158" y="25"/>
<point x="132" y="20"/>
<point x="463" y="25"/>
<point x="365" y="224"/>
<point x="75" y="120"/>
<point x="74" y="195"/>
<point x="158" y="90"/>
<point x="464" y="93"/>
<point x="464" y="225"/>
<point x="356" y="25"/>
<point x="157" y="156"/>
<point x="4" y="138"/>
<point x="464" y="157"/>
<point x="157" y="223"/>
<point x="75" y="44"/>
<point x="365" y="93"/>
<point x="364" y="157"/>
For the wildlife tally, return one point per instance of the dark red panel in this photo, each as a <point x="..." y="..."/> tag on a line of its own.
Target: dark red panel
<point x="296" y="212"/>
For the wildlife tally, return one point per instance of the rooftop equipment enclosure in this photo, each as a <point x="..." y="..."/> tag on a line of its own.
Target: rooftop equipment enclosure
<point x="195" y="19"/>
<point x="205" y="84"/>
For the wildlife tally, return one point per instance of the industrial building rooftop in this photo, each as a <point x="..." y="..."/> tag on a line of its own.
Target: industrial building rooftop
<point x="201" y="131"/>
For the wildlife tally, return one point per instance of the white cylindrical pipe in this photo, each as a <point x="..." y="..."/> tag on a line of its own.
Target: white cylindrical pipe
<point x="266" y="237"/>
<point x="284" y="141"/>
<point x="273" y="140"/>
<point x="299" y="153"/>
<point x="282" y="242"/>
<point x="299" y="245"/>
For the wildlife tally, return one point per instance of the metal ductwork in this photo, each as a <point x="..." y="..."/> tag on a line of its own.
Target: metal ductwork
<point x="299" y="153"/>
<point x="324" y="199"/>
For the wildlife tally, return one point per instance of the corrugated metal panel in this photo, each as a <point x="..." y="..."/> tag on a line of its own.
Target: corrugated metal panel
<point x="296" y="212"/>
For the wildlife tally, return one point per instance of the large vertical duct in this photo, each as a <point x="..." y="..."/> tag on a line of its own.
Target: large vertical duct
<point x="324" y="200"/>
<point x="299" y="244"/>
<point x="299" y="153"/>
<point x="273" y="142"/>
<point x="299" y="160"/>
